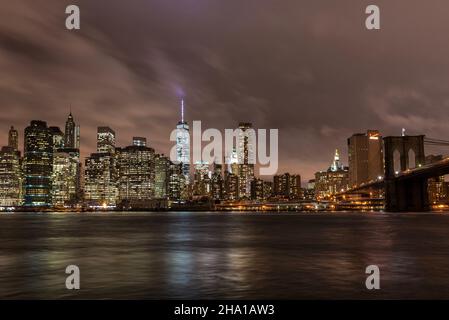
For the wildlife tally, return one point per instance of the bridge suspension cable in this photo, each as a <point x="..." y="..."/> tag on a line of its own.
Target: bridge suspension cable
<point x="436" y="142"/>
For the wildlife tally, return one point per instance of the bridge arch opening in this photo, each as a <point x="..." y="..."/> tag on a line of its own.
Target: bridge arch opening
<point x="396" y="161"/>
<point x="411" y="159"/>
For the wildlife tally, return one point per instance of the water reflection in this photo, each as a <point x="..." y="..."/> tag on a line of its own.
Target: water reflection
<point x="212" y="255"/>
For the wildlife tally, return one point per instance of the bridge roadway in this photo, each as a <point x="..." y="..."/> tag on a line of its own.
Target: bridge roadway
<point x="435" y="169"/>
<point x="407" y="190"/>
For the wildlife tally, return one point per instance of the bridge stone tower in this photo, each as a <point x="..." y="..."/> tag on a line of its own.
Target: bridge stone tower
<point x="402" y="194"/>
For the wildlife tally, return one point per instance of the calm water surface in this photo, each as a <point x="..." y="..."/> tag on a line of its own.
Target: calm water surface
<point x="216" y="255"/>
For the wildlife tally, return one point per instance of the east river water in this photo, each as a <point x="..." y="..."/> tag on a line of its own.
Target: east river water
<point x="185" y="255"/>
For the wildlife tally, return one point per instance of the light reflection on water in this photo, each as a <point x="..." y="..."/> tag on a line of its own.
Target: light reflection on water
<point x="216" y="255"/>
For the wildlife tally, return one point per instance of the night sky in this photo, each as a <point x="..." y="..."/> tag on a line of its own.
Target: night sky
<point x="308" y="68"/>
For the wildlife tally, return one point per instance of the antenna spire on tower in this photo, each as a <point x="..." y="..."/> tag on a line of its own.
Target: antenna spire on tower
<point x="182" y="110"/>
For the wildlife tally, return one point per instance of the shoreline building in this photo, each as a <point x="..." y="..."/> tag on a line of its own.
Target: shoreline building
<point x="183" y="145"/>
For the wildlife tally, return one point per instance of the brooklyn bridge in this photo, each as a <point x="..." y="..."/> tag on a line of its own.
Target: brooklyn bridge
<point x="405" y="182"/>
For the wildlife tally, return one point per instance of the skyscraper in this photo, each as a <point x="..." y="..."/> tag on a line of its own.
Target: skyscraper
<point x="162" y="176"/>
<point x="105" y="140"/>
<point x="66" y="184"/>
<point x="183" y="145"/>
<point x="437" y="187"/>
<point x="246" y="143"/>
<point x="72" y="133"/>
<point x="365" y="152"/>
<point x="231" y="186"/>
<point x="332" y="181"/>
<point x="336" y="164"/>
<point x="257" y="190"/>
<point x="100" y="180"/>
<point x="233" y="162"/>
<point x="176" y="183"/>
<point x="201" y="181"/>
<point x="246" y="158"/>
<point x="58" y="138"/>
<point x="10" y="178"/>
<point x="217" y="183"/>
<point x="38" y="164"/>
<point x="66" y="177"/>
<point x="135" y="165"/>
<point x="13" y="139"/>
<point x="287" y="186"/>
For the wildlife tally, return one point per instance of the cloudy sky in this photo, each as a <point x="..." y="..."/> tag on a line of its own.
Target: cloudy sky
<point x="308" y="68"/>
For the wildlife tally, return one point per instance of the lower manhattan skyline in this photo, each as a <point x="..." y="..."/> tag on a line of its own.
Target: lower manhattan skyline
<point x="315" y="75"/>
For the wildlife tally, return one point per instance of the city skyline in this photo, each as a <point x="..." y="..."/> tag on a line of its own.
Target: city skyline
<point x="85" y="152"/>
<point x="143" y="141"/>
<point x="314" y="66"/>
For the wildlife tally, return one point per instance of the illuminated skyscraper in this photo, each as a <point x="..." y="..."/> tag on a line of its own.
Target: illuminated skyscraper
<point x="246" y="143"/>
<point x="38" y="164"/>
<point x="105" y="140"/>
<point x="365" y="157"/>
<point x="135" y="165"/>
<point x="72" y="134"/>
<point x="246" y="158"/>
<point x="336" y="164"/>
<point x="58" y="138"/>
<point x="10" y="178"/>
<point x="287" y="186"/>
<point x="332" y="181"/>
<point x="100" y="180"/>
<point x="66" y="177"/>
<point x="257" y="190"/>
<point x="183" y="145"/>
<point x="231" y="186"/>
<point x="233" y="162"/>
<point x="217" y="183"/>
<point x="437" y="187"/>
<point x="162" y="176"/>
<point x="201" y="181"/>
<point x="309" y="192"/>
<point x="13" y="139"/>
<point x="176" y="183"/>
